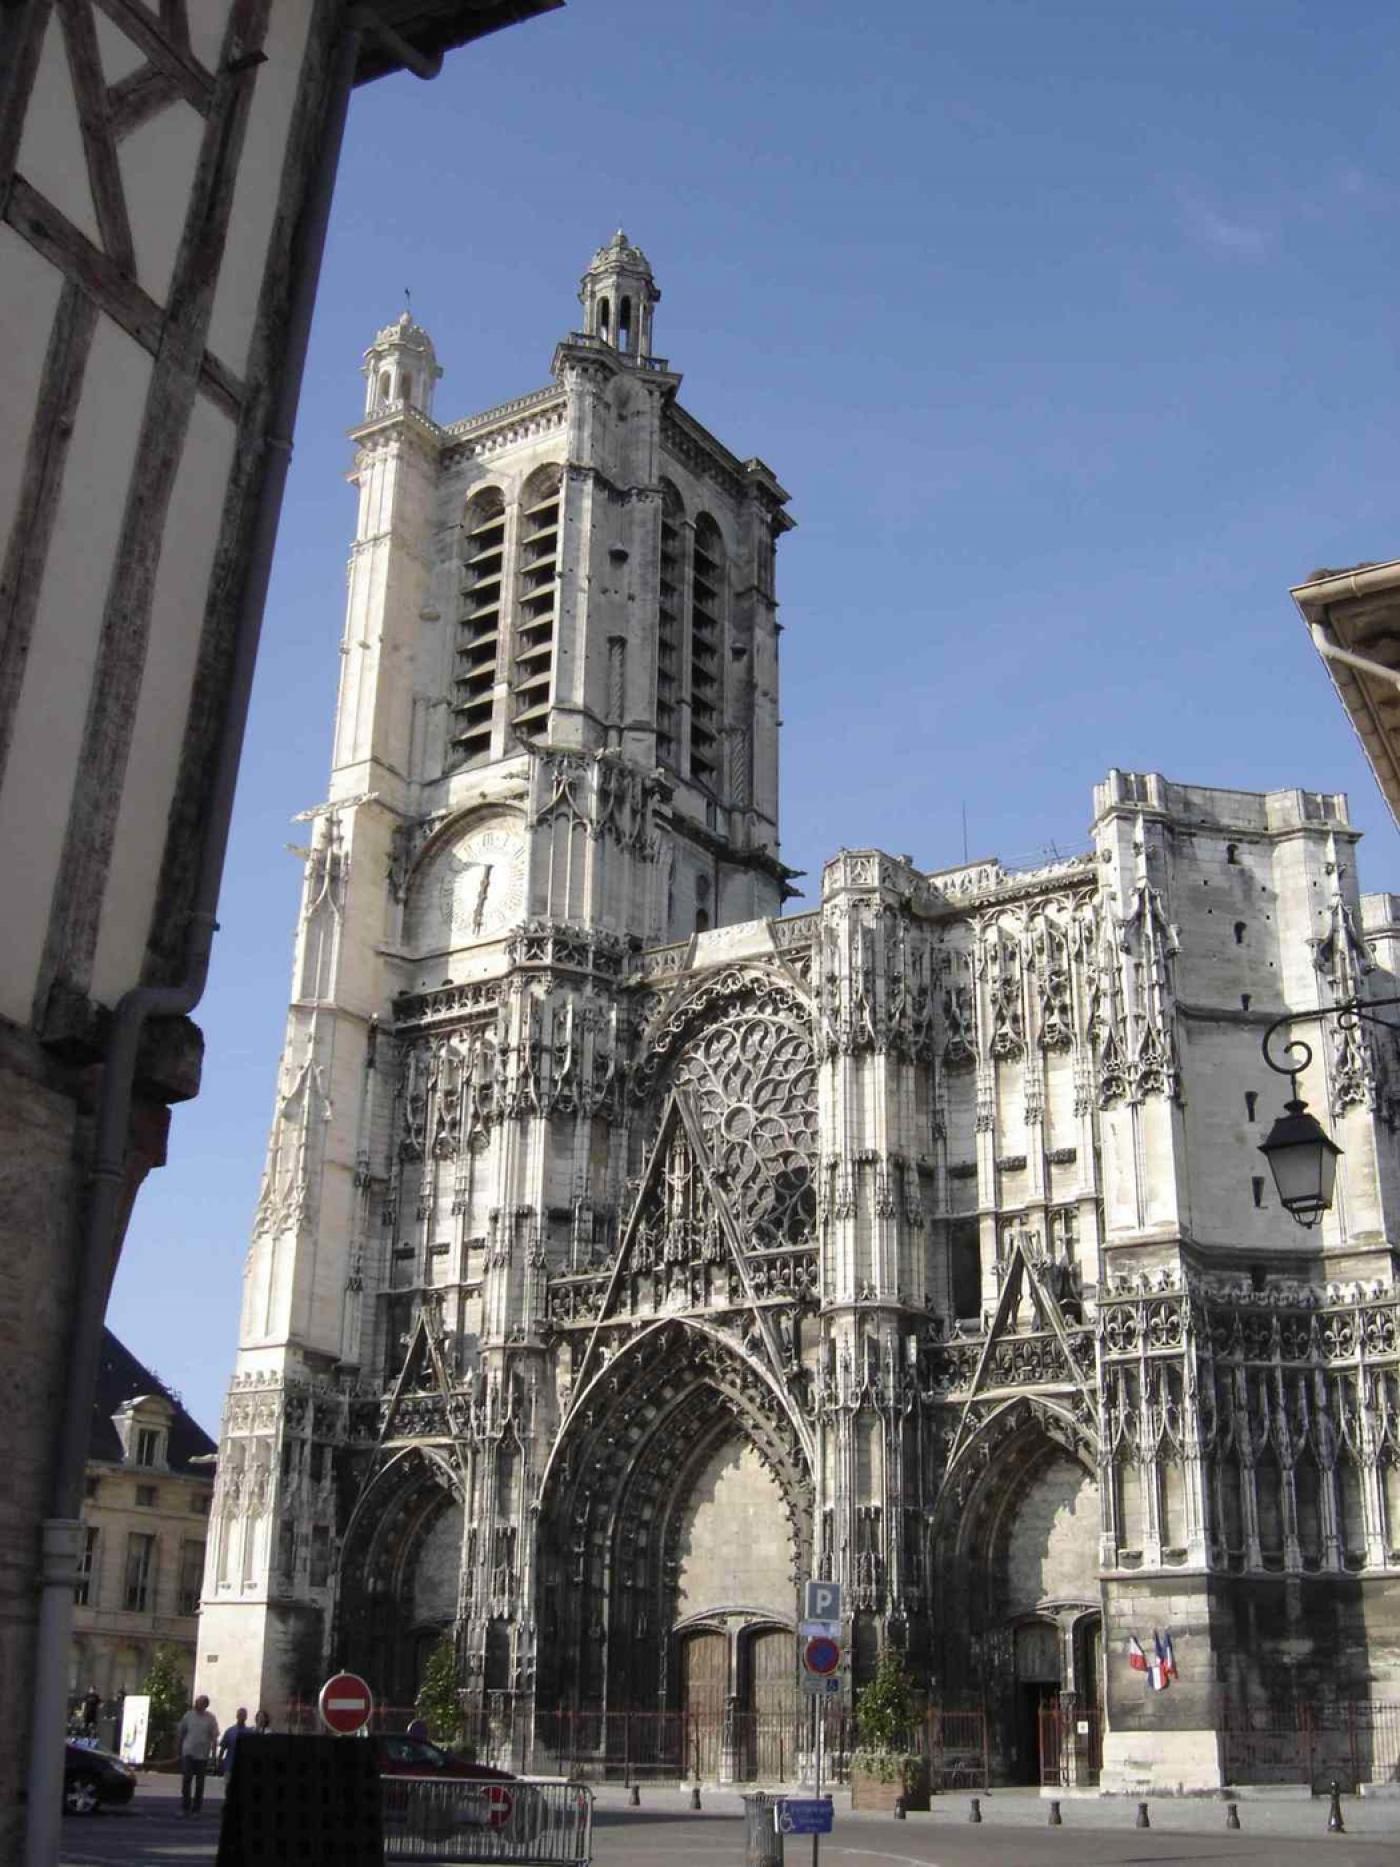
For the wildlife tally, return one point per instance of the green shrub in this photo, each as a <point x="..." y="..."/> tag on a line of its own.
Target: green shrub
<point x="439" y="1702"/>
<point x="885" y="1709"/>
<point x="168" y="1692"/>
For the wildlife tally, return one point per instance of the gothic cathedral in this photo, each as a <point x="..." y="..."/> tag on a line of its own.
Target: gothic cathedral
<point x="629" y="1250"/>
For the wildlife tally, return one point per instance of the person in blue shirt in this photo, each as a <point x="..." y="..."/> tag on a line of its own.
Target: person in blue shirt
<point x="228" y="1743"/>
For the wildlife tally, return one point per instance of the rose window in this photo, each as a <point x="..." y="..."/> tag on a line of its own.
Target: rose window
<point x="752" y="1081"/>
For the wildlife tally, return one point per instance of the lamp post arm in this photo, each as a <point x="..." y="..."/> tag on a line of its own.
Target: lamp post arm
<point x="1299" y="1049"/>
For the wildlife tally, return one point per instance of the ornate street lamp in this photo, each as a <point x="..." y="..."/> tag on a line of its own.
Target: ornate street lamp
<point x="1302" y="1156"/>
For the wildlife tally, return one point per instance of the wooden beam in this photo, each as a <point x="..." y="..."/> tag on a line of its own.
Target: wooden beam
<point x="195" y="84"/>
<point x="205" y="723"/>
<point x="118" y="677"/>
<point x="21" y="41"/>
<point x="22" y="572"/>
<point x="86" y="265"/>
<point x="99" y="144"/>
<point x="136" y="98"/>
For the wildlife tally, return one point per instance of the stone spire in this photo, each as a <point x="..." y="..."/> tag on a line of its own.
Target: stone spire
<point x="617" y="294"/>
<point x="400" y="368"/>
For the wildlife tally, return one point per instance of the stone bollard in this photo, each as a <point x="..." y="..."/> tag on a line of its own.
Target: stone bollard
<point x="1056" y="1820"/>
<point x="1142" y="1821"/>
<point x="1335" y="1824"/>
<point x="975" y="1812"/>
<point x="695" y="1795"/>
<point x="634" y="1797"/>
<point x="1232" y="1814"/>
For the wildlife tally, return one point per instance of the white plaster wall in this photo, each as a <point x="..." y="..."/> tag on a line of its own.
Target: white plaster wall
<point x="157" y="163"/>
<point x="186" y="560"/>
<point x="51" y="154"/>
<point x="259" y="181"/>
<point x="54" y="694"/>
<point x="29" y="290"/>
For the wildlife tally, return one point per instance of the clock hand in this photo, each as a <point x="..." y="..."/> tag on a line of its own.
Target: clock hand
<point x="483" y="888"/>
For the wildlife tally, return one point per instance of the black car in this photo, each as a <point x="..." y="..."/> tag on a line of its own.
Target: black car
<point x="93" y="1778"/>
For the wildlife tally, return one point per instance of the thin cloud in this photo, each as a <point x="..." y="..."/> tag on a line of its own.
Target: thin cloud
<point x="1225" y="233"/>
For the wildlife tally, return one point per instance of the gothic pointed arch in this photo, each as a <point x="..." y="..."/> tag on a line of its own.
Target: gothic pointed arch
<point x="399" y="1568"/>
<point x="1014" y="1536"/>
<point x="622" y="1496"/>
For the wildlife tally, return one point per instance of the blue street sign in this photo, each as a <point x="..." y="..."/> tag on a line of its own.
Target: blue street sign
<point x="809" y="1815"/>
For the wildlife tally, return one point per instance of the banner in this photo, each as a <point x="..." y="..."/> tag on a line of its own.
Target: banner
<point x="136" y="1717"/>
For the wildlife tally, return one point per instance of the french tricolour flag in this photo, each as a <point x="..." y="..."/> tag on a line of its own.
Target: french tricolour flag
<point x="1137" y="1659"/>
<point x="1162" y="1666"/>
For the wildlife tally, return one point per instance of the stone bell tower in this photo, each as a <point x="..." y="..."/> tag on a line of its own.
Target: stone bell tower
<point x="555" y="743"/>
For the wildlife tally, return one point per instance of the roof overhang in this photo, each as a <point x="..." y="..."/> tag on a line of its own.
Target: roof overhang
<point x="414" y="34"/>
<point x="1353" y="617"/>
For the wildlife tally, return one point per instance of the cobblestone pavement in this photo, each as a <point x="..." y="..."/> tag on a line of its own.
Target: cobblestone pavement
<point x="1013" y="1833"/>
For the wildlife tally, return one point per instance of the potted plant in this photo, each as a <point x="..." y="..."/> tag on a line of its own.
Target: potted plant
<point x="885" y="1769"/>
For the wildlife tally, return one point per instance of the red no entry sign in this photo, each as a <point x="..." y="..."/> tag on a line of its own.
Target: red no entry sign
<point x="821" y="1655"/>
<point x="345" y="1703"/>
<point x="500" y="1805"/>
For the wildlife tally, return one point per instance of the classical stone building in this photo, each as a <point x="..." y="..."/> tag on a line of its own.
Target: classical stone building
<point x="150" y="1480"/>
<point x="628" y="1250"/>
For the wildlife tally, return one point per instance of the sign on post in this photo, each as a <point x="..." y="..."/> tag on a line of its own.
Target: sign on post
<point x="345" y="1704"/>
<point x="804" y="1815"/>
<point x="821" y="1601"/>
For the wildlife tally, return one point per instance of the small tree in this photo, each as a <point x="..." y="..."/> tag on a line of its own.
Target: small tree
<point x="165" y="1686"/>
<point x="438" y="1702"/>
<point x="885" y="1718"/>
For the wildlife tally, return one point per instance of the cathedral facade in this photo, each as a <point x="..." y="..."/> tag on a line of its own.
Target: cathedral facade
<point x="629" y="1250"/>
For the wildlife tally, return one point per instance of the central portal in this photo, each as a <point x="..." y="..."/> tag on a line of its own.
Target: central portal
<point x="735" y="1616"/>
<point x="675" y="1523"/>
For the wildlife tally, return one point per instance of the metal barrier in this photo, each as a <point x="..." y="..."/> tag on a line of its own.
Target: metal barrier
<point x="434" y="1818"/>
<point x="956" y="1746"/>
<point x="1071" y="1745"/>
<point x="1356" y="1740"/>
<point x="727" y="1744"/>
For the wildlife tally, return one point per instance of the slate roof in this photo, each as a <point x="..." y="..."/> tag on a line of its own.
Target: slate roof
<point x="121" y="1377"/>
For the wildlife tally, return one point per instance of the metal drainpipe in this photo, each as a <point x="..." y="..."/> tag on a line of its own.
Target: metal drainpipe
<point x="101" y="1242"/>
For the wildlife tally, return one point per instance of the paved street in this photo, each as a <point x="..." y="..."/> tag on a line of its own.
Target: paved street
<point x="1013" y="1833"/>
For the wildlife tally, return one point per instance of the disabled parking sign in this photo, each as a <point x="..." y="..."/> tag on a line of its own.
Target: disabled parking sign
<point x="804" y="1815"/>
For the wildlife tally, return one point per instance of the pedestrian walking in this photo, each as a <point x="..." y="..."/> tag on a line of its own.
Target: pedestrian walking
<point x="197" y="1734"/>
<point x="92" y="1710"/>
<point x="262" y="1723"/>
<point x="228" y="1743"/>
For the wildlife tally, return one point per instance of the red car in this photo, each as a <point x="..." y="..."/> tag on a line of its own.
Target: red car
<point x="415" y="1756"/>
<point x="423" y="1800"/>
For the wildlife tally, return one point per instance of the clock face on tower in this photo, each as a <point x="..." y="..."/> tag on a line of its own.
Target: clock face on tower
<point x="473" y="889"/>
<point x="482" y="883"/>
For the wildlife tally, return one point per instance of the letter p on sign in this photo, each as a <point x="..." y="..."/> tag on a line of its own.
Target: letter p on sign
<point x="822" y="1601"/>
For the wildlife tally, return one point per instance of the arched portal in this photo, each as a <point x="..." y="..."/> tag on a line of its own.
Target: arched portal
<point x="400" y="1570"/>
<point x="1016" y="1550"/>
<point x="675" y="1521"/>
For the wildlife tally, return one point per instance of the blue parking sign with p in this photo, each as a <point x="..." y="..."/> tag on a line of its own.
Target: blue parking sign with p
<point x="822" y="1601"/>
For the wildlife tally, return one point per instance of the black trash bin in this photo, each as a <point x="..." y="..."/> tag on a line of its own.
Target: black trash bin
<point x="763" y="1844"/>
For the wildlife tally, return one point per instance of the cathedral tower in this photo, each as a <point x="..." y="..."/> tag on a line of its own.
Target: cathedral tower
<point x="555" y="743"/>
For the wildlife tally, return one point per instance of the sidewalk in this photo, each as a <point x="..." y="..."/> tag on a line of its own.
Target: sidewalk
<point x="1283" y="1814"/>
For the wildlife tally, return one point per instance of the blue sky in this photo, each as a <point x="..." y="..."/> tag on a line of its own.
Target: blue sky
<point x="1070" y="328"/>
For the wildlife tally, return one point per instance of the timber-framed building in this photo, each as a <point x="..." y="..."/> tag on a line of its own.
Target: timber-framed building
<point x="628" y="1249"/>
